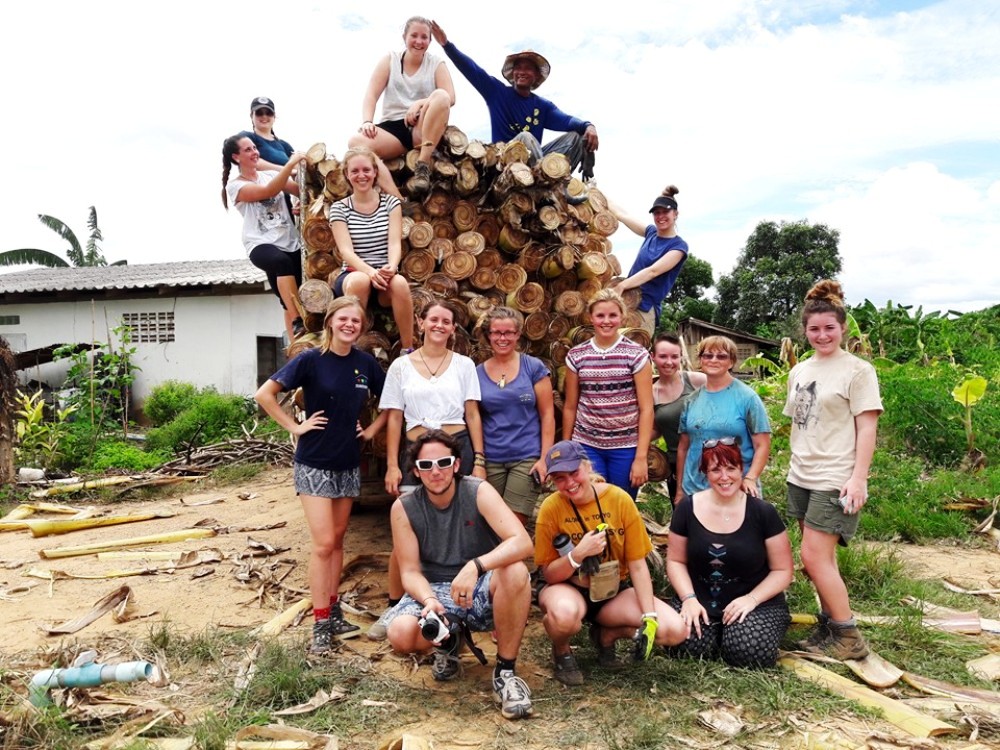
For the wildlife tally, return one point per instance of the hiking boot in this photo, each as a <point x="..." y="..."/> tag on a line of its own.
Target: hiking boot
<point x="339" y="627"/>
<point x="845" y="642"/>
<point x="513" y="696"/>
<point x="566" y="670"/>
<point x="607" y="656"/>
<point x="446" y="664"/>
<point x="379" y="630"/>
<point x="322" y="638"/>
<point x="420" y="183"/>
<point x="820" y="633"/>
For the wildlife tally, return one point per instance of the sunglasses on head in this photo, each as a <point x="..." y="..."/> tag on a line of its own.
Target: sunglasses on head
<point x="713" y="355"/>
<point x="264" y="113"/>
<point x="426" y="464"/>
<point x="720" y="441"/>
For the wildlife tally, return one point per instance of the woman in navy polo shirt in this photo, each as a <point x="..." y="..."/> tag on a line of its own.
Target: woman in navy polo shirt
<point x="337" y="380"/>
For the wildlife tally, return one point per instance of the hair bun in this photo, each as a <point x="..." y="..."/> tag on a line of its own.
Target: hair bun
<point x="828" y="290"/>
<point x="670" y="191"/>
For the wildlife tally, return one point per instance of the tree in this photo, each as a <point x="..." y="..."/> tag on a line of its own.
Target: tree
<point x="76" y="254"/>
<point x="774" y="271"/>
<point x="686" y="299"/>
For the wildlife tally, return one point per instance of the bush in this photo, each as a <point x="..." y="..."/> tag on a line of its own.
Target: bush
<point x="210" y="418"/>
<point x="116" y="454"/>
<point x="167" y="400"/>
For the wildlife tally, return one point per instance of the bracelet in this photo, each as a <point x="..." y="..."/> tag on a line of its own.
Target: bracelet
<point x="650" y="616"/>
<point x="573" y="563"/>
<point x="479" y="566"/>
<point x="755" y="602"/>
<point x="479" y="454"/>
<point x="431" y="597"/>
<point x="692" y="595"/>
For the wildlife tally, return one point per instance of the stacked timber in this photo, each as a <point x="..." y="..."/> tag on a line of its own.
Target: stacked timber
<point x="492" y="231"/>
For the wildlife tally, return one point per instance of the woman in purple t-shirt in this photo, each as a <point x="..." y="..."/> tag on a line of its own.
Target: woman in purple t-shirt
<point x="517" y="411"/>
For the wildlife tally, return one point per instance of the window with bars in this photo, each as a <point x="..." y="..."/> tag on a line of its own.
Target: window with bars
<point x="150" y="327"/>
<point x="10" y="320"/>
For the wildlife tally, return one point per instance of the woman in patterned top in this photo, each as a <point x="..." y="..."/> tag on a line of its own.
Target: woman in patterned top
<point x="368" y="228"/>
<point x="730" y="561"/>
<point x="609" y="397"/>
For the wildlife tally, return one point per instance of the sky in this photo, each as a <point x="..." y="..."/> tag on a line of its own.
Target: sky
<point x="878" y="119"/>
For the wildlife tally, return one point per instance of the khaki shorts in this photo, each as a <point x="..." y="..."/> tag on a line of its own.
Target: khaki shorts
<point x="648" y="320"/>
<point x="821" y="511"/>
<point x="514" y="483"/>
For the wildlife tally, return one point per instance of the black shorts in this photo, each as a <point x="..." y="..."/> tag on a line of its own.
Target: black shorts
<point x="400" y="131"/>
<point x="275" y="262"/>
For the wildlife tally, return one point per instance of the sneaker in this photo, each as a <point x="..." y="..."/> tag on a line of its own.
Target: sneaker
<point x="420" y="183"/>
<point x="379" y="629"/>
<point x="817" y="637"/>
<point x="607" y="656"/>
<point x="446" y="664"/>
<point x="845" y="642"/>
<point x="322" y="639"/>
<point x="298" y="327"/>
<point x="339" y="627"/>
<point x="566" y="670"/>
<point x="513" y="696"/>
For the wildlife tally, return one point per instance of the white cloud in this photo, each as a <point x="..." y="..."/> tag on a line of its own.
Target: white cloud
<point x="842" y="113"/>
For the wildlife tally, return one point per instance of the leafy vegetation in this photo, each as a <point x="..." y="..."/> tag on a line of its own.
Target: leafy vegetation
<point x="208" y="418"/>
<point x="76" y="254"/>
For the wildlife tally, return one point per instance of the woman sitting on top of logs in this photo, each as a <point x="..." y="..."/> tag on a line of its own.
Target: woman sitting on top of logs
<point x="417" y="96"/>
<point x="368" y="228"/>
<point x="660" y="258"/>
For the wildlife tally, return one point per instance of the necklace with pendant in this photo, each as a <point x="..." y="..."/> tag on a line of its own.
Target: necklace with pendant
<point x="502" y="382"/>
<point x="437" y="369"/>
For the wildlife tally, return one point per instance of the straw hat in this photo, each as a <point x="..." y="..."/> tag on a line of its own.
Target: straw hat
<point x="540" y="62"/>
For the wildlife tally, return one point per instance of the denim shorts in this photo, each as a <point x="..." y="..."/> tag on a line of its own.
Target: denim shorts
<point x="821" y="511"/>
<point x="479" y="616"/>
<point x="326" y="482"/>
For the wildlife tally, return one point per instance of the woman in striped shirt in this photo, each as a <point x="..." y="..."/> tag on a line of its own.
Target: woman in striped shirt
<point x="609" y="397"/>
<point x="368" y="228"/>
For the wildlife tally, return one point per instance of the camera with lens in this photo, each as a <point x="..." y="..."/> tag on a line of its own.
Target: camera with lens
<point x="435" y="628"/>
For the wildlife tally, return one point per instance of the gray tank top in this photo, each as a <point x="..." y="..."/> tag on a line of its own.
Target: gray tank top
<point x="448" y="538"/>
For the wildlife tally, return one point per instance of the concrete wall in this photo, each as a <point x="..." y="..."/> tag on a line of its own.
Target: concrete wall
<point x="215" y="337"/>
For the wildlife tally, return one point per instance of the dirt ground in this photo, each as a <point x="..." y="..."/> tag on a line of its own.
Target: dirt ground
<point x="192" y="601"/>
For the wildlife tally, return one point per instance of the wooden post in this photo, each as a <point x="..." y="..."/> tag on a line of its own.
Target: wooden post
<point x="8" y="386"/>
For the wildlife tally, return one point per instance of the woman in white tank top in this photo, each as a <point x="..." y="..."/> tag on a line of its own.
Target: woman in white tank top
<point x="417" y="96"/>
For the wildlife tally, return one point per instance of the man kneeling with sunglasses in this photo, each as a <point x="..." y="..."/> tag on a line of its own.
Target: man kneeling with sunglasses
<point x="461" y="552"/>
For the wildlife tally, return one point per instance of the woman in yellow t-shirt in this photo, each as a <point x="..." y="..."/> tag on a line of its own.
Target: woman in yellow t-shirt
<point x="591" y="547"/>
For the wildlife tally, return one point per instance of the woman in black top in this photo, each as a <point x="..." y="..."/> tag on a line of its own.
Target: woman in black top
<point x="729" y="561"/>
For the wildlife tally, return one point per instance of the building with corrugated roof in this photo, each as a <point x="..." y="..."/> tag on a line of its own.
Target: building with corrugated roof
<point x="212" y="323"/>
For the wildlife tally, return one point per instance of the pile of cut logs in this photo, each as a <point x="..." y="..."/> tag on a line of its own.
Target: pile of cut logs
<point x="492" y="231"/>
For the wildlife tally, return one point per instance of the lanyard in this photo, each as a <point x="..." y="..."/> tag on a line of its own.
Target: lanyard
<point x="600" y="512"/>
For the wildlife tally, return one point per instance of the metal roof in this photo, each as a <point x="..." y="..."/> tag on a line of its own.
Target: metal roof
<point x="141" y="276"/>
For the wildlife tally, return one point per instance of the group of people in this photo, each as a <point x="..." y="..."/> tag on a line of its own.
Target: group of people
<point x="417" y="94"/>
<point x="471" y="448"/>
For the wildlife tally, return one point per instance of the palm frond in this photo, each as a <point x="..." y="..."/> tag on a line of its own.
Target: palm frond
<point x="75" y="252"/>
<point x="27" y="256"/>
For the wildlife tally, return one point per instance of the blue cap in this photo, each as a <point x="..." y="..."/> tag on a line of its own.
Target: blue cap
<point x="564" y="456"/>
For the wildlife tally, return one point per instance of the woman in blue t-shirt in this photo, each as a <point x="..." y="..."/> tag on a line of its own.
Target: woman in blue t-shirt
<point x="337" y="380"/>
<point x="660" y="258"/>
<point x="274" y="152"/>
<point x="517" y="410"/>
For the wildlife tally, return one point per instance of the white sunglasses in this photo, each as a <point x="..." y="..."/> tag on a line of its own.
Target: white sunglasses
<point x="426" y="464"/>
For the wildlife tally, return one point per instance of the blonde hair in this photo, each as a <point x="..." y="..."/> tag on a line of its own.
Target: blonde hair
<point x="607" y="295"/>
<point x="825" y="296"/>
<point x="358" y="151"/>
<point x="348" y="300"/>
<point x="719" y="343"/>
<point x="415" y="19"/>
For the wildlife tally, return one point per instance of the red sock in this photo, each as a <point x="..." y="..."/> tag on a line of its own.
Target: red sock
<point x="321" y="614"/>
<point x="333" y="599"/>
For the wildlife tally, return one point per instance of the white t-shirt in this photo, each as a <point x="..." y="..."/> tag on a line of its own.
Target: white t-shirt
<point x="824" y="397"/>
<point x="427" y="403"/>
<point x="266" y="222"/>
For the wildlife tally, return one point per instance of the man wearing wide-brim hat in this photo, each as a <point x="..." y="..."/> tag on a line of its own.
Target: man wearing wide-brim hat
<point x="516" y="112"/>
